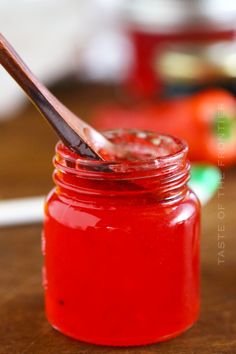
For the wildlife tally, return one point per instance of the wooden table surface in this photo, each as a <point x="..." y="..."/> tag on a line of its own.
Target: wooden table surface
<point x="25" y="170"/>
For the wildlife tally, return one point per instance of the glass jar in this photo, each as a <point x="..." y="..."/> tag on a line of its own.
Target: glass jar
<point x="121" y="244"/>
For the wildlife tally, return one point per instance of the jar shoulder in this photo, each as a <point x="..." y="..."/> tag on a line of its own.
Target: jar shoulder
<point x="68" y="211"/>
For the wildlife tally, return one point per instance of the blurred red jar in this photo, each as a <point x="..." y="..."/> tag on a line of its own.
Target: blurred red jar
<point x="121" y="244"/>
<point x="157" y="28"/>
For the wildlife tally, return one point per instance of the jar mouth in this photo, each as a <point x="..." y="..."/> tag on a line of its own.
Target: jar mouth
<point x="152" y="149"/>
<point x="163" y="168"/>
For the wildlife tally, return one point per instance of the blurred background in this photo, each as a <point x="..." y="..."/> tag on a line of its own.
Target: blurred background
<point x="168" y="66"/>
<point x="164" y="65"/>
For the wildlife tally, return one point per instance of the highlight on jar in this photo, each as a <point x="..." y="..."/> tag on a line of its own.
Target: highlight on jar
<point x="104" y="205"/>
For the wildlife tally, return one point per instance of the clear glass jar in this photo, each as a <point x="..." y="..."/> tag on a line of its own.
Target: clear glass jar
<point x="121" y="245"/>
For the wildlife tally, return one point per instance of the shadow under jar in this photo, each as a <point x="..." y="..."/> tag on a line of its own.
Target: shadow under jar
<point x="121" y="244"/>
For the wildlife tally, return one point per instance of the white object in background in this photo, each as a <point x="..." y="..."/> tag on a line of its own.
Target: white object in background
<point x="49" y="35"/>
<point x="21" y="211"/>
<point x="57" y="38"/>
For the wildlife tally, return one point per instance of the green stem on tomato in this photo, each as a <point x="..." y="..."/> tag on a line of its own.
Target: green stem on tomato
<point x="224" y="127"/>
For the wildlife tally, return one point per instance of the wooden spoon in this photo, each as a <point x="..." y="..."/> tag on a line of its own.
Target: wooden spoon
<point x="74" y="132"/>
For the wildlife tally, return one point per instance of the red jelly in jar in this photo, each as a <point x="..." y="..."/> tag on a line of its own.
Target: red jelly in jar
<point x="121" y="243"/>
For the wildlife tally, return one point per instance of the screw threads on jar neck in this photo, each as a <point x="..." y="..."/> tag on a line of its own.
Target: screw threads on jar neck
<point x="166" y="176"/>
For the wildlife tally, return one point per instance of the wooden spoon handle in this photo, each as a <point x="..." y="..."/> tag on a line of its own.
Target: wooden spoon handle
<point x="75" y="133"/>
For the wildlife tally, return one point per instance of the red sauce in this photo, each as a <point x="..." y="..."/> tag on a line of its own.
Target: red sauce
<point x="121" y="245"/>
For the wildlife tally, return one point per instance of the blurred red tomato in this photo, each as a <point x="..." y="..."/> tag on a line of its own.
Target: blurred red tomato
<point x="206" y="120"/>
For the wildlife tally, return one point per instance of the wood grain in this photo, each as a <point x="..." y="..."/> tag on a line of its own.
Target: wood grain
<point x="23" y="327"/>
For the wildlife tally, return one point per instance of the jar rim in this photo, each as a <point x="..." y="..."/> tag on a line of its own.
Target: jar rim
<point x="166" y="175"/>
<point x="181" y="150"/>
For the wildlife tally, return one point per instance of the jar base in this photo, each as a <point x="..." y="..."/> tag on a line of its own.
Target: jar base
<point x="124" y="343"/>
